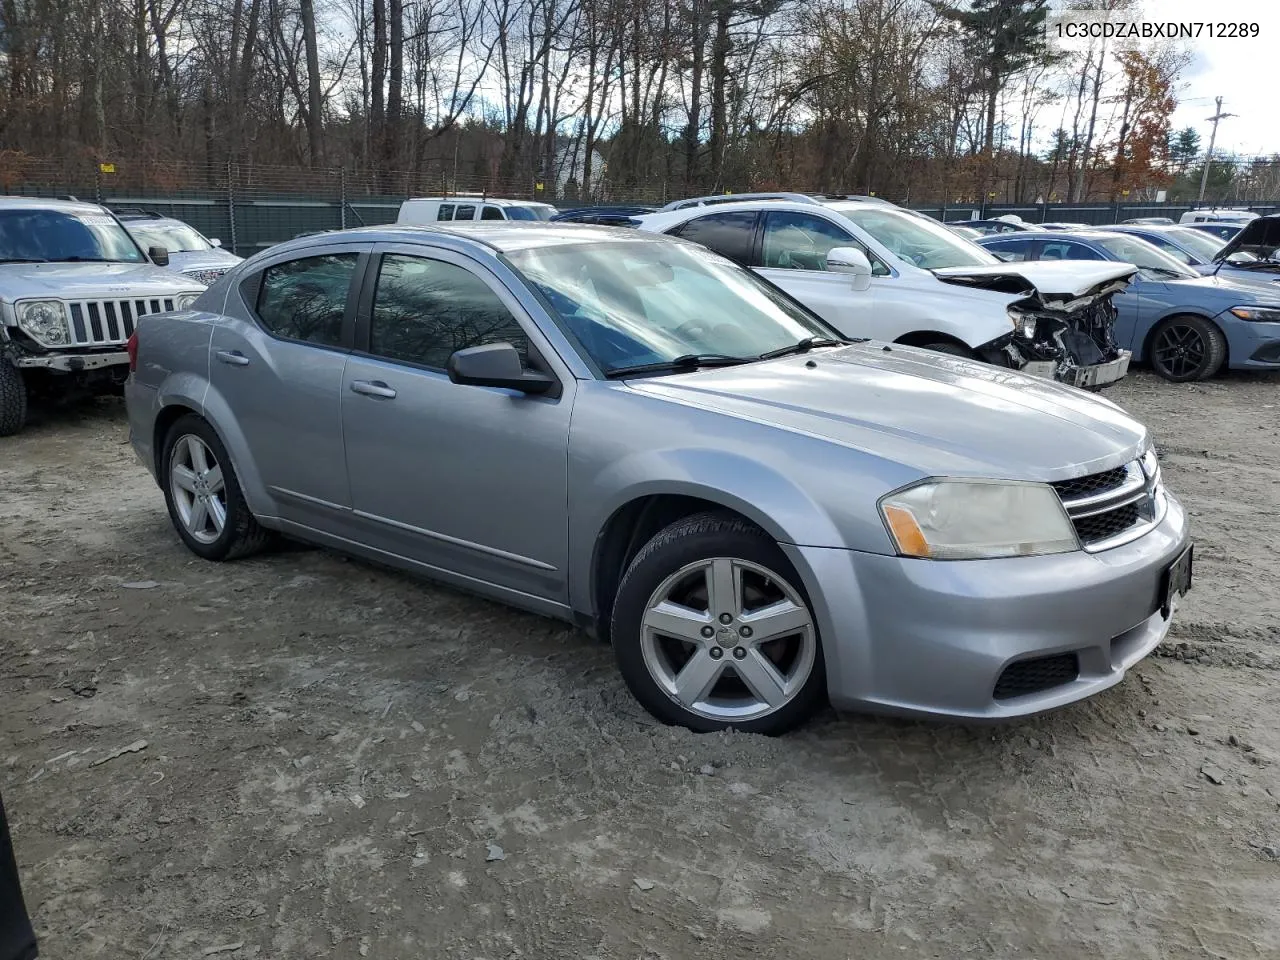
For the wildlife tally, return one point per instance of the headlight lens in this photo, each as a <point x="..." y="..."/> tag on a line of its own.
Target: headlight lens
<point x="184" y="300"/>
<point x="1023" y="323"/>
<point x="1258" y="314"/>
<point x="977" y="519"/>
<point x="45" y="321"/>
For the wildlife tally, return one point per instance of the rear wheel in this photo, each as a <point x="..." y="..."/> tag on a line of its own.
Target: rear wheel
<point x="712" y="629"/>
<point x="203" y="494"/>
<point x="13" y="399"/>
<point x="1187" y="348"/>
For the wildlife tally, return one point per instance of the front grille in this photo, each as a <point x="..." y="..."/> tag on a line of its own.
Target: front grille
<point x="98" y="322"/>
<point x="1033" y="676"/>
<point x="205" y="276"/>
<point x="1106" y="506"/>
<point x="1089" y="486"/>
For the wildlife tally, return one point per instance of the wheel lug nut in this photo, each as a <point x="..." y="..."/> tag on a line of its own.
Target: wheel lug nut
<point x="708" y="631"/>
<point x="726" y="618"/>
<point x="739" y="653"/>
<point x="716" y="653"/>
<point x="744" y="632"/>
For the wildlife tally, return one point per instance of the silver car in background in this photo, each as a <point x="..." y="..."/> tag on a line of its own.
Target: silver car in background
<point x="631" y="433"/>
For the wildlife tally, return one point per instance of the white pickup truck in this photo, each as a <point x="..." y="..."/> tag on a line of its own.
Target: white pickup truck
<point x="73" y="283"/>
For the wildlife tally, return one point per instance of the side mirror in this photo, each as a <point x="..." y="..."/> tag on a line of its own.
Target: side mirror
<point x="215" y="242"/>
<point x="495" y="365"/>
<point x="852" y="261"/>
<point x="159" y="256"/>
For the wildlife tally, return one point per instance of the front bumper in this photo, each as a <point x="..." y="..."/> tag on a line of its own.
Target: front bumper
<point x="932" y="638"/>
<point x="1096" y="375"/>
<point x="72" y="362"/>
<point x="1251" y="345"/>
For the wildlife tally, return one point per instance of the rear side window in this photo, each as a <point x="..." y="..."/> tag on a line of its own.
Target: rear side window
<point x="306" y="299"/>
<point x="446" y="212"/>
<point x="1060" y="250"/>
<point x="731" y="235"/>
<point x="465" y="212"/>
<point x="1012" y="251"/>
<point x="491" y="213"/>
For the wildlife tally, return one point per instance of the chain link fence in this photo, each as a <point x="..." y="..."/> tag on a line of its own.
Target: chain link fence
<point x="249" y="206"/>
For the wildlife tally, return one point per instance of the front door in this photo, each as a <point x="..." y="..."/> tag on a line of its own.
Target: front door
<point x="468" y="480"/>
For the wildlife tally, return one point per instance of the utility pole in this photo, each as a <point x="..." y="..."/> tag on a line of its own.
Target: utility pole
<point x="1213" y="135"/>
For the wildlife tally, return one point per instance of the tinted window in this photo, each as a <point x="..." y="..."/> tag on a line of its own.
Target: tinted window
<point x="305" y="299"/>
<point x="800" y="241"/>
<point x="424" y="310"/>
<point x="446" y="212"/>
<point x="466" y="212"/>
<point x="728" y="234"/>
<point x="491" y="213"/>
<point x="1064" y="250"/>
<point x="1010" y="250"/>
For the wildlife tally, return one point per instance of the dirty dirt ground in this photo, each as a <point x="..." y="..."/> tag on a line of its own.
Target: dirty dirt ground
<point x="326" y="759"/>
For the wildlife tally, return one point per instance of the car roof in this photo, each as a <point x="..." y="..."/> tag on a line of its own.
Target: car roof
<point x="496" y="236"/>
<point x="1050" y="235"/>
<point x="46" y="203"/>
<point x="496" y="201"/>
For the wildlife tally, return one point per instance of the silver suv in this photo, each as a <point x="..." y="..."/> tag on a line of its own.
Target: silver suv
<point x="73" y="283"/>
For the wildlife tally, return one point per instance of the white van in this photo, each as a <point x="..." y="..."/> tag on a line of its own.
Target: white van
<point x="1218" y="216"/>
<point x="422" y="210"/>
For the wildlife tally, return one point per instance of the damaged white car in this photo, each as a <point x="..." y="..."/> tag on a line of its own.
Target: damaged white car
<point x="875" y="270"/>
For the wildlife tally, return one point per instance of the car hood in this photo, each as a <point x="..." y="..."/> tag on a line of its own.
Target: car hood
<point x="84" y="281"/>
<point x="1260" y="232"/>
<point x="1229" y="288"/>
<point x="215" y="259"/>
<point x="1065" y="285"/>
<point x="940" y="415"/>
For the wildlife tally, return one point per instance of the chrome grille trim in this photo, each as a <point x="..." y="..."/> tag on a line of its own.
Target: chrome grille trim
<point x="1138" y="503"/>
<point x="97" y="323"/>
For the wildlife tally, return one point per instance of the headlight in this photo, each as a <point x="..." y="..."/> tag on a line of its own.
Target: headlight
<point x="1258" y="314"/>
<point x="977" y="519"/>
<point x="1023" y="323"/>
<point x="184" y="300"/>
<point x="45" y="321"/>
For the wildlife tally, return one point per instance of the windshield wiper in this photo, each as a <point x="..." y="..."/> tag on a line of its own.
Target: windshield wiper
<point x="23" y="260"/>
<point x="686" y="362"/>
<point x="804" y="346"/>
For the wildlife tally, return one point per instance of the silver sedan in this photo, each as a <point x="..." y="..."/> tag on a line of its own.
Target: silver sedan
<point x="631" y="433"/>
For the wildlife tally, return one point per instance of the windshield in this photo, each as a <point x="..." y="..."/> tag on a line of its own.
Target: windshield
<point x="174" y="237"/>
<point x="631" y="303"/>
<point x="1203" y="245"/>
<point x="52" y="235"/>
<point x="1151" y="262"/>
<point x="930" y="246"/>
<point x="534" y="211"/>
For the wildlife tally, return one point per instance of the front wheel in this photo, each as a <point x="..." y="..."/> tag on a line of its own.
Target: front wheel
<point x="1187" y="348"/>
<point x="13" y="399"/>
<point x="712" y="629"/>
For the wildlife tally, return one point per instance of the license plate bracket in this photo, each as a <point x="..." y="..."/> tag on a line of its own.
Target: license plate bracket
<point x="1176" y="580"/>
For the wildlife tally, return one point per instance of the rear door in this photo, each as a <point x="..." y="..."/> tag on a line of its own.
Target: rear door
<point x="277" y="358"/>
<point x="468" y="480"/>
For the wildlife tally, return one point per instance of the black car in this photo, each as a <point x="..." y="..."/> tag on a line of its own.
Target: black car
<point x="607" y="216"/>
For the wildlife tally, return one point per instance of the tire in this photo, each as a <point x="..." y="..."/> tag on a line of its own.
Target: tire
<point x="190" y="441"/>
<point x="13" y="399"/>
<point x="676" y="570"/>
<point x="1187" y="348"/>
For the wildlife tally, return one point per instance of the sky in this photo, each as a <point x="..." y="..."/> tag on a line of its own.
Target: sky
<point x="1243" y="72"/>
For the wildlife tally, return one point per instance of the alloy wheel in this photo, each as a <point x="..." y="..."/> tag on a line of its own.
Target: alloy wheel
<point x="728" y="640"/>
<point x="1180" y="349"/>
<point x="199" y="491"/>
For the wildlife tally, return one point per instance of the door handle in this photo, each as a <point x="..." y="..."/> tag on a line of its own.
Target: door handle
<point x="233" y="357"/>
<point x="373" y="388"/>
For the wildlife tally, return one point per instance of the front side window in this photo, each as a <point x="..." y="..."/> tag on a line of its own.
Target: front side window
<point x="1172" y="249"/>
<point x="1152" y="263"/>
<point x="424" y="310"/>
<point x="40" y="236"/>
<point x="1011" y="251"/>
<point x="306" y="299"/>
<point x="629" y="302"/>
<point x="1066" y="250"/>
<point x="729" y="234"/>
<point x="445" y="212"/>
<point x="491" y="213"/>
<point x="930" y="246"/>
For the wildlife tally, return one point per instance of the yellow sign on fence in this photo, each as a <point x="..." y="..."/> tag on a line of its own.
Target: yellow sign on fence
<point x="106" y="168"/>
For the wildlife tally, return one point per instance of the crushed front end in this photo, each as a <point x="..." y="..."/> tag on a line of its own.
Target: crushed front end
<point x="1063" y="319"/>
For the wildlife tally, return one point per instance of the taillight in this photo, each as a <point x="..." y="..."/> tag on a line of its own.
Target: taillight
<point x="132" y="347"/>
